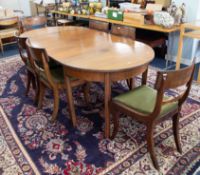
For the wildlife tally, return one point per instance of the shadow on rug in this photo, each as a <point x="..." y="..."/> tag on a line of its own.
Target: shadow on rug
<point x="30" y="144"/>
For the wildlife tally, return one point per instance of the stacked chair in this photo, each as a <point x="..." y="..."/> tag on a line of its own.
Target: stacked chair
<point x="27" y="24"/>
<point x="53" y="78"/>
<point x="42" y="71"/>
<point x="30" y="68"/>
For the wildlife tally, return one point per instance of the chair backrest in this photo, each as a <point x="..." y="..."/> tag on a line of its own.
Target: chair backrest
<point x="99" y="25"/>
<point x="124" y="31"/>
<point x="41" y="60"/>
<point x="9" y="22"/>
<point x="31" y="23"/>
<point x="170" y="80"/>
<point x="21" y="43"/>
<point x="23" y="51"/>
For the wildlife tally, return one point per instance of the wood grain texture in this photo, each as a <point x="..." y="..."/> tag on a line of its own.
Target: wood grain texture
<point x="90" y="50"/>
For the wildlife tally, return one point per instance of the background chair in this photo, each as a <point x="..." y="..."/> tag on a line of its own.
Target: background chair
<point x="9" y="27"/>
<point x="99" y="25"/>
<point x="149" y="105"/>
<point x="128" y="32"/>
<point x="31" y="23"/>
<point x="28" y="61"/>
<point x="52" y="78"/>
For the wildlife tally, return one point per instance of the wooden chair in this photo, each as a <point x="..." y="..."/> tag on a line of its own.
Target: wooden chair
<point x="8" y="29"/>
<point x="99" y="25"/>
<point x="35" y="22"/>
<point x="29" y="63"/>
<point x="149" y="105"/>
<point x="51" y="78"/>
<point x="128" y="32"/>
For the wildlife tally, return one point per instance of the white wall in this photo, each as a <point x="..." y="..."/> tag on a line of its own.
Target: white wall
<point x="12" y="4"/>
<point x="23" y="5"/>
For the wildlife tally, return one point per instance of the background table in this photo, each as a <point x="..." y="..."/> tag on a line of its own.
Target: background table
<point x="92" y="55"/>
<point x="194" y="32"/>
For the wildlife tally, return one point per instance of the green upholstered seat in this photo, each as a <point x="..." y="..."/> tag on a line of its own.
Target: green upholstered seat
<point x="143" y="99"/>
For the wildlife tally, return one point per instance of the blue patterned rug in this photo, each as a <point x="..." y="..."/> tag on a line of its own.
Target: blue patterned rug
<point x="30" y="144"/>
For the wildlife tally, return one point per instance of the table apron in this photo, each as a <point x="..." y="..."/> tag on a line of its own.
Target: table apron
<point x="100" y="76"/>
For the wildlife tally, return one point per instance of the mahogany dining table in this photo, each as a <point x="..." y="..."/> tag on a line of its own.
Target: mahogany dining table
<point x="92" y="55"/>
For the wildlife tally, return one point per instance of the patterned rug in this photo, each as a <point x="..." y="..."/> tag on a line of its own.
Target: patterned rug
<point x="30" y="144"/>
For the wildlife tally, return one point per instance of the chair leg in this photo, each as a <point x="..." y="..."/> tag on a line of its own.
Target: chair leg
<point x="56" y="105"/>
<point x="37" y="91"/>
<point x="1" y="44"/>
<point x="115" y="115"/>
<point x="28" y="82"/>
<point x="41" y="95"/>
<point x="176" y="131"/>
<point x="70" y="101"/>
<point x="131" y="83"/>
<point x="33" y="81"/>
<point x="150" y="145"/>
<point x="86" y="90"/>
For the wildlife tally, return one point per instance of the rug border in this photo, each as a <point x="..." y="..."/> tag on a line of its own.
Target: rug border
<point x="16" y="138"/>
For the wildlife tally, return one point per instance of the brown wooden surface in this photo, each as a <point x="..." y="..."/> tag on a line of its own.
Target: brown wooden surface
<point x="93" y="55"/>
<point x="99" y="25"/>
<point x="90" y="50"/>
<point x="136" y="25"/>
<point x="122" y="30"/>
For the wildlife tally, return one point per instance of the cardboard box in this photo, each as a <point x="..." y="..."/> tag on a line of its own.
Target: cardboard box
<point x="136" y="18"/>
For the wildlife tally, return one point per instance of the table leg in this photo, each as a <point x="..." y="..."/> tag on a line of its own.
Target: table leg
<point x="198" y="78"/>
<point x="180" y="48"/>
<point x="107" y="92"/>
<point x="70" y="101"/>
<point x="54" y="18"/>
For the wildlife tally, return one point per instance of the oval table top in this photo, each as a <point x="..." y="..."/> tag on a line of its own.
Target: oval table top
<point x="91" y="50"/>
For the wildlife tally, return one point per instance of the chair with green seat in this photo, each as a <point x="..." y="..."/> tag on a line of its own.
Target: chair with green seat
<point x="149" y="105"/>
<point x="52" y="78"/>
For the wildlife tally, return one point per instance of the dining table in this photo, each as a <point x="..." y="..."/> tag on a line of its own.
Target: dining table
<point x="92" y="56"/>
